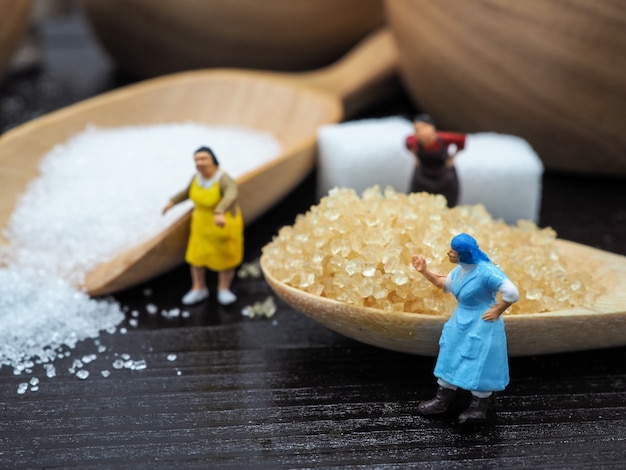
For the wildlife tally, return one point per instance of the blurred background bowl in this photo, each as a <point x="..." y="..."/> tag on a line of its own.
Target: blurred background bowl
<point x="14" y="21"/>
<point x="148" y="37"/>
<point x="552" y="72"/>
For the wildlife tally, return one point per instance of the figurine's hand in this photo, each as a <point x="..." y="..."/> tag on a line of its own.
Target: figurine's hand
<point x="167" y="207"/>
<point x="419" y="263"/>
<point x="492" y="314"/>
<point x="220" y="219"/>
<point x="496" y="310"/>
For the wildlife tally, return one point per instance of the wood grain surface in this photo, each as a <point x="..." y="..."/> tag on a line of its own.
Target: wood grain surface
<point x="287" y="392"/>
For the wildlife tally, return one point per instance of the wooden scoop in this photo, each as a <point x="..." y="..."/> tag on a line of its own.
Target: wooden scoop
<point x="530" y="333"/>
<point x="289" y="106"/>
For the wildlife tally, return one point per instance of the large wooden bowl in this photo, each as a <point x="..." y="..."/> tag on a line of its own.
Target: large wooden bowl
<point x="148" y="37"/>
<point x="14" y="19"/>
<point x="551" y="72"/>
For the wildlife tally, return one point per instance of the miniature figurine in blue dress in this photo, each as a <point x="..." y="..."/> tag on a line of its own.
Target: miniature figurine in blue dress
<point x="472" y="348"/>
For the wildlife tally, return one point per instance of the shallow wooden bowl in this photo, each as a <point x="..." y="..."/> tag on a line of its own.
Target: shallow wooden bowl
<point x="14" y="20"/>
<point x="148" y="37"/>
<point x="527" y="334"/>
<point x="551" y="72"/>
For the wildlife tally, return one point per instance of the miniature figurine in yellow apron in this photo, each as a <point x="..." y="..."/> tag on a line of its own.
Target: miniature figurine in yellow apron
<point x="216" y="234"/>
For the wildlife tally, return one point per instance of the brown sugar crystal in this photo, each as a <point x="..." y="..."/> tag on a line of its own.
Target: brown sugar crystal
<point x="358" y="250"/>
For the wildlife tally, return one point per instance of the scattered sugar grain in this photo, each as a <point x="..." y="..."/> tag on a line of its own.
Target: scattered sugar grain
<point x="89" y="358"/>
<point x="50" y="371"/>
<point x="265" y="308"/>
<point x="172" y="313"/>
<point x="250" y="270"/>
<point x="152" y="309"/>
<point x="171" y="357"/>
<point x="82" y="374"/>
<point x="105" y="373"/>
<point x="22" y="388"/>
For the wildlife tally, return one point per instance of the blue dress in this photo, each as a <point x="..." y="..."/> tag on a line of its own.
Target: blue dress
<point x="472" y="351"/>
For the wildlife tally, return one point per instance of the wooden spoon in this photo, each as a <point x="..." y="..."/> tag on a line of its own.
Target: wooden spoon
<point x="530" y="333"/>
<point x="289" y="106"/>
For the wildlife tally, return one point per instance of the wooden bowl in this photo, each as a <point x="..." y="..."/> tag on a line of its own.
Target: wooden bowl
<point x="575" y="329"/>
<point x="148" y="37"/>
<point x="551" y="72"/>
<point x="14" y="19"/>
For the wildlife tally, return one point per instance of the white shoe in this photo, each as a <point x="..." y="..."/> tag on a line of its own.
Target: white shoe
<point x="195" y="296"/>
<point x="225" y="297"/>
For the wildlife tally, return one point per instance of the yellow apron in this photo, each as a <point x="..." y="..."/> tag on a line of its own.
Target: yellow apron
<point x="217" y="248"/>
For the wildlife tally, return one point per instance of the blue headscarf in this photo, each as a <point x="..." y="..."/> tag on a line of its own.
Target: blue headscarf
<point x="467" y="248"/>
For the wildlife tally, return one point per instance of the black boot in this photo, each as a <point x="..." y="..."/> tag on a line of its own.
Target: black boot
<point x="476" y="412"/>
<point x="439" y="404"/>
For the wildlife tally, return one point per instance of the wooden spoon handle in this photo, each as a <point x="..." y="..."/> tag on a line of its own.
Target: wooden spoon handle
<point x="365" y="75"/>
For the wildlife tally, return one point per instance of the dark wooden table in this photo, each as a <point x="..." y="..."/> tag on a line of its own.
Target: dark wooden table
<point x="285" y="392"/>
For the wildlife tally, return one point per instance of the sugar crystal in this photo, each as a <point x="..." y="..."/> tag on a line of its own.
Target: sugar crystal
<point x="266" y="308"/>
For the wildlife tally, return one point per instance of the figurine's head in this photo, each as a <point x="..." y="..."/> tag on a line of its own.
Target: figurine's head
<point x="206" y="161"/>
<point x="467" y="249"/>
<point x="425" y="129"/>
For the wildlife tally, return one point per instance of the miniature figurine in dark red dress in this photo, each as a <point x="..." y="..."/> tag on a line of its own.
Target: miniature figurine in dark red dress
<point x="434" y="163"/>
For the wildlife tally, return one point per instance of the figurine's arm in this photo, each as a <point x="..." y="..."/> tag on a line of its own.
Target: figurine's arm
<point x="411" y="143"/>
<point x="177" y="198"/>
<point x="419" y="263"/>
<point x="510" y="294"/>
<point x="455" y="138"/>
<point x="228" y="188"/>
<point x="452" y="138"/>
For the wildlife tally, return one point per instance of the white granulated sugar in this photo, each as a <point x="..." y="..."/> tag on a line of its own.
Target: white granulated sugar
<point x="98" y="194"/>
<point x="40" y="314"/>
<point x="103" y="190"/>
